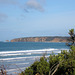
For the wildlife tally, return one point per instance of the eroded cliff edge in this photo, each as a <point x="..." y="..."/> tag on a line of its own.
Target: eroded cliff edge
<point x="41" y="39"/>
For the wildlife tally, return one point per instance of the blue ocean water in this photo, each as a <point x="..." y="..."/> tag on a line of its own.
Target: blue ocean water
<point x="19" y="55"/>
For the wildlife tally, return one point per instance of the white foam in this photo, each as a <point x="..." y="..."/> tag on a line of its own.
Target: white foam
<point x="18" y="54"/>
<point x="21" y="51"/>
<point x="15" y="54"/>
<point x="19" y="58"/>
<point x="21" y="63"/>
<point x="17" y="69"/>
<point x="11" y="54"/>
<point x="25" y="52"/>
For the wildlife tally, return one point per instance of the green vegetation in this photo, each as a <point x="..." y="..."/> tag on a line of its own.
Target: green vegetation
<point x="61" y="64"/>
<point x="45" y="66"/>
<point x="72" y="36"/>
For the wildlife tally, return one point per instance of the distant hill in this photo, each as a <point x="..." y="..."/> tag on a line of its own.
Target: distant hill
<point x="41" y="39"/>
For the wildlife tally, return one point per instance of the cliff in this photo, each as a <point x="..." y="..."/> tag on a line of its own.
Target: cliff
<point x="41" y="39"/>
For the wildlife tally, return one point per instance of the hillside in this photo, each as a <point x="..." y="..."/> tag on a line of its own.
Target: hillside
<point x="41" y="39"/>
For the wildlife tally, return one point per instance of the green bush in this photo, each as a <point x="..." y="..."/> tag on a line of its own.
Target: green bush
<point x="66" y="61"/>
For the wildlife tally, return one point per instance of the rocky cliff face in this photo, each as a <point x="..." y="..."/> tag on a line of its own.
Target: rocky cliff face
<point x="41" y="39"/>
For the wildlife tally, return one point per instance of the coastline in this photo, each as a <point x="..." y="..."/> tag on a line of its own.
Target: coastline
<point x="41" y="39"/>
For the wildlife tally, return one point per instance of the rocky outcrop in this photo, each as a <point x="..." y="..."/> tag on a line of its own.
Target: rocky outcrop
<point x="41" y="39"/>
<point x="7" y="40"/>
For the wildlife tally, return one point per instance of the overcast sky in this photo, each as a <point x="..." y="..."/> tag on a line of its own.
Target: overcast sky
<point x="31" y="18"/>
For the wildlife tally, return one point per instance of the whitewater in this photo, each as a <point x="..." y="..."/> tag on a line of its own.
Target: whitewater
<point x="17" y="56"/>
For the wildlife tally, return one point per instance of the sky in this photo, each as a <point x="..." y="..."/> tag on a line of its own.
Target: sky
<point x="32" y="18"/>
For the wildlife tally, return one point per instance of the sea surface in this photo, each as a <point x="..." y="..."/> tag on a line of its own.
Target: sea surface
<point x="16" y="56"/>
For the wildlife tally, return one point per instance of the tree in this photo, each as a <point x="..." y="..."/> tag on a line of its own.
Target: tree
<point x="61" y="64"/>
<point x="72" y="35"/>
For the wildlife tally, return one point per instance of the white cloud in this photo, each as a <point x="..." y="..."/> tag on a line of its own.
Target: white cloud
<point x="30" y="4"/>
<point x="34" y="4"/>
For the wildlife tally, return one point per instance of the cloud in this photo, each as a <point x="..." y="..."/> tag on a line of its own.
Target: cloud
<point x="27" y="6"/>
<point x="34" y="4"/>
<point x="3" y="17"/>
<point x="43" y="1"/>
<point x="13" y="2"/>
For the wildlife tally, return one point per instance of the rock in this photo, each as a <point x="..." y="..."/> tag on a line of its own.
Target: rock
<point x="41" y="39"/>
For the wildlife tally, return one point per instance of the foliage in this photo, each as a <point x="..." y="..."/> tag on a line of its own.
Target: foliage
<point x="41" y="67"/>
<point x="72" y="35"/>
<point x="71" y="31"/>
<point x="47" y="66"/>
<point x="66" y="61"/>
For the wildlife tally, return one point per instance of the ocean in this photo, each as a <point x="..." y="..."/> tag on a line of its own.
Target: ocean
<point x="17" y="56"/>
